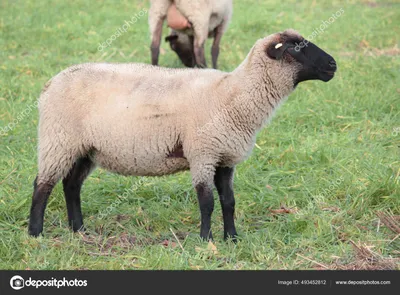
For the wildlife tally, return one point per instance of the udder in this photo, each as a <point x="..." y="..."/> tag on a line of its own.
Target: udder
<point x="176" y="20"/>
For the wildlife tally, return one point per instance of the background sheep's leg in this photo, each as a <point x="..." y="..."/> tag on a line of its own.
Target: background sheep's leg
<point x="40" y="196"/>
<point x="218" y="32"/>
<point x="206" y="202"/>
<point x="199" y="56"/>
<point x="224" y="183"/>
<point x="72" y="189"/>
<point x="200" y="36"/>
<point x="156" y="33"/>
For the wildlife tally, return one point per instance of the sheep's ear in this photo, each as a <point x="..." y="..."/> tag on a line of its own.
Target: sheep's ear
<point x="171" y="38"/>
<point x="276" y="50"/>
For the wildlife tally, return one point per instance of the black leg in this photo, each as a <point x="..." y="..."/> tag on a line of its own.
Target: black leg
<point x="72" y="189"/>
<point x="223" y="180"/>
<point x="156" y="41"/>
<point x="40" y="196"/>
<point x="218" y="32"/>
<point x="35" y="183"/>
<point x="206" y="202"/>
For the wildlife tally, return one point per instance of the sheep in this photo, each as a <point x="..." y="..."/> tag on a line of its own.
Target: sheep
<point x="191" y="23"/>
<point x="182" y="44"/>
<point x="137" y="119"/>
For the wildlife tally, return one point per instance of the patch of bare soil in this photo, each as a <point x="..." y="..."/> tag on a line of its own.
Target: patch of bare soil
<point x="392" y="222"/>
<point x="364" y="259"/>
<point x="283" y="210"/>
<point x="105" y="244"/>
<point x="113" y="245"/>
<point x="110" y="246"/>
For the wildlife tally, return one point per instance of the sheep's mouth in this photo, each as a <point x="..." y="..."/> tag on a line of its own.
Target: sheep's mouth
<point x="330" y="69"/>
<point x="325" y="75"/>
<point x="329" y="73"/>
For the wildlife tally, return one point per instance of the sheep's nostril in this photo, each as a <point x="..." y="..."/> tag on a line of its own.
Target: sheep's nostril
<point x="332" y="64"/>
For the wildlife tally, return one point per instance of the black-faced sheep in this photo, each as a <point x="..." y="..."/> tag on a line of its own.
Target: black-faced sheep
<point x="137" y="119"/>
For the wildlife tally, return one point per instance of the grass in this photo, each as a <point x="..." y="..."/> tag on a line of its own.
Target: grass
<point x="330" y="155"/>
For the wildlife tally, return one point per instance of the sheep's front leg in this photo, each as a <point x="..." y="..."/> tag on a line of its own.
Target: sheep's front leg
<point x="206" y="203"/>
<point x="156" y="31"/>
<point x="224" y="183"/>
<point x="202" y="175"/>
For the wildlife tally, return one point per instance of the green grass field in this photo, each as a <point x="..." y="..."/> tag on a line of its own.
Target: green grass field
<point x="330" y="156"/>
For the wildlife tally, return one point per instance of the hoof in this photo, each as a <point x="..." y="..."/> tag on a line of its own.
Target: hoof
<point x="34" y="232"/>
<point x="234" y="238"/>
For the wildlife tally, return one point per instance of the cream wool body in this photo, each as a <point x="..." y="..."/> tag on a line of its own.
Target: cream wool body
<point x="137" y="119"/>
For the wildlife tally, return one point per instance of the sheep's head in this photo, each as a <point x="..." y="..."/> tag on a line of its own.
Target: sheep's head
<point x="308" y="61"/>
<point x="183" y="46"/>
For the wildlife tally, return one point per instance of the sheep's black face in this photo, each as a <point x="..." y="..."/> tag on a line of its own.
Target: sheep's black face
<point x="184" y="51"/>
<point x="315" y="64"/>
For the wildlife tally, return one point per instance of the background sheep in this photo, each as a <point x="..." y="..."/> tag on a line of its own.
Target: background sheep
<point x="182" y="44"/>
<point x="204" y="18"/>
<point x="136" y="119"/>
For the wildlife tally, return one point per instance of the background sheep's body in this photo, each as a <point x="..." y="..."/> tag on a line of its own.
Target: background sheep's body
<point x="208" y="18"/>
<point x="137" y="119"/>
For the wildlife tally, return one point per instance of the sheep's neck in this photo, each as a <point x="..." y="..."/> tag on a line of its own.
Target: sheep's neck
<point x="256" y="102"/>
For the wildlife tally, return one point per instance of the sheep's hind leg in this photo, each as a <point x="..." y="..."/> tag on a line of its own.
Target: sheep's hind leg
<point x="54" y="163"/>
<point x="40" y="196"/>
<point x="200" y="36"/>
<point x="199" y="55"/>
<point x="72" y="184"/>
<point x="156" y="32"/>
<point x="224" y="183"/>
